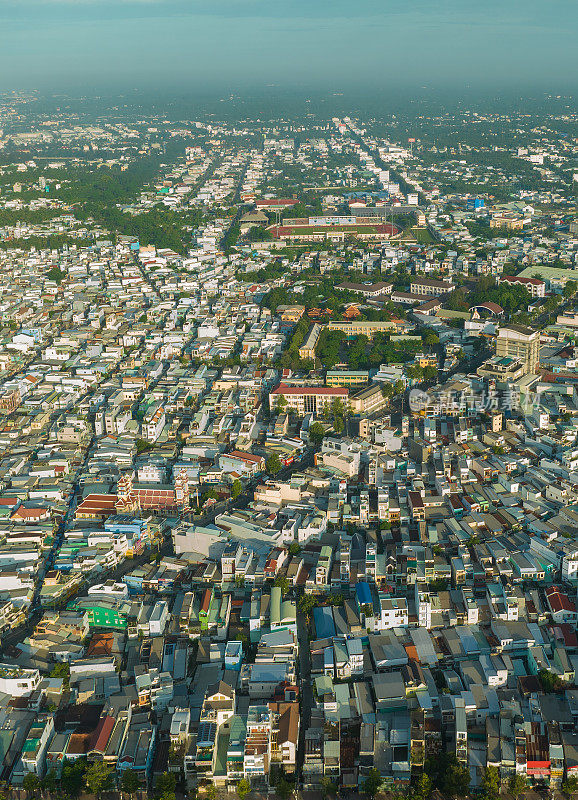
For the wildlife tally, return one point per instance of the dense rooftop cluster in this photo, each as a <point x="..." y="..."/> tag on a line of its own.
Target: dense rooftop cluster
<point x="289" y="454"/>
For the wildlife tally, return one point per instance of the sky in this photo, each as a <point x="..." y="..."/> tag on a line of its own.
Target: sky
<point x="216" y="45"/>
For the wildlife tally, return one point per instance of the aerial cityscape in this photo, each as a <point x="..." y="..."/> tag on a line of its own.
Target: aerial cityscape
<point x="288" y="402"/>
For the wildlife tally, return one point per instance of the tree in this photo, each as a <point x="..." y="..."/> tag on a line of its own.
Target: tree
<point x="258" y="234"/>
<point x="211" y="792"/>
<point x="570" y="289"/>
<point x="430" y="338"/>
<point x="423" y="787"/>
<point x="31" y="782"/>
<point x="55" y="274"/>
<point x="130" y="782"/>
<point x="570" y="786"/>
<point x="283" y="583"/>
<point x="142" y="446"/>
<point x="517" y="785"/>
<point x="414" y="371"/>
<point x="165" y="784"/>
<point x="243" y="788"/>
<point x="328" y="787"/>
<point x="549" y="681"/>
<point x="455" y="778"/>
<point x="72" y="777"/>
<point x="99" y="778"/>
<point x="337" y="412"/>
<point x="284" y="789"/>
<point x="294" y="549"/>
<point x="307" y="603"/>
<point x="316" y="433"/>
<point x="273" y="464"/>
<point x="491" y="784"/>
<point x="61" y="670"/>
<point x="236" y="488"/>
<point x="49" y="782"/>
<point x="372" y="783"/>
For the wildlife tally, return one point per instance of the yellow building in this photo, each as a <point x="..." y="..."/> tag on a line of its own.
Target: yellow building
<point x="519" y="342"/>
<point x="291" y="313"/>
<point x="307" y="349"/>
<point x="362" y="328"/>
<point x="346" y="377"/>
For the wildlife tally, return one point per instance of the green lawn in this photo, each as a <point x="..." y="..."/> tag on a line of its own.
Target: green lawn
<point x="422" y="235"/>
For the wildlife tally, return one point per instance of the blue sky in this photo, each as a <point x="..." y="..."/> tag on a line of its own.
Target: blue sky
<point x="206" y="44"/>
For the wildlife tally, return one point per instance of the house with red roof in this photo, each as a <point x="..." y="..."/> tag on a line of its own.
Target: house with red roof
<point x="100" y="738"/>
<point x="561" y="607"/>
<point x="535" y="286"/>
<point x="275" y="203"/>
<point x="97" y="506"/>
<point x="242" y="463"/>
<point x="30" y="514"/>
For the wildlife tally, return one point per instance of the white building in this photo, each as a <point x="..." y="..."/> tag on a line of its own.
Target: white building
<point x="394" y="613"/>
<point x="159" y="618"/>
<point x="18" y="682"/>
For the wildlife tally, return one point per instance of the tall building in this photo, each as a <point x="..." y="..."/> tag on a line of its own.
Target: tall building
<point x="519" y="342"/>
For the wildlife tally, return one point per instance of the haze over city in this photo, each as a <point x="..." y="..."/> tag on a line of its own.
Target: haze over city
<point x="288" y="400"/>
<point x="195" y="44"/>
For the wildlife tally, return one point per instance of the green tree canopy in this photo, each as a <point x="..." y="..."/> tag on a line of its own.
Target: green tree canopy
<point x="56" y="274"/>
<point x="456" y="779"/>
<point x="448" y="775"/>
<point x="550" y="682"/>
<point x="165" y="786"/>
<point x="99" y="778"/>
<point x="491" y="783"/>
<point x="423" y="787"/>
<point x="130" y="781"/>
<point x="307" y="603"/>
<point x="517" y="784"/>
<point x="570" y="786"/>
<point x="328" y="787"/>
<point x="430" y="338"/>
<point x="284" y="789"/>
<point x="273" y="464"/>
<point x="31" y="782"/>
<point x="316" y="433"/>
<point x="72" y="777"/>
<point x="372" y="783"/>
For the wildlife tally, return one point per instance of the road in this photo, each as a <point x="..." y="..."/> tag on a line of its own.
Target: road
<point x="306" y="691"/>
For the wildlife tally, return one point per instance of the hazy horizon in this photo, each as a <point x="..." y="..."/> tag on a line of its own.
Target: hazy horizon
<point x="228" y="45"/>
